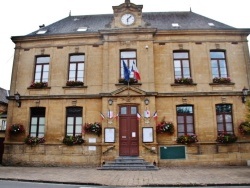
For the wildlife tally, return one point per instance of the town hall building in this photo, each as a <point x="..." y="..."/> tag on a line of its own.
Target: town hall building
<point x="168" y="88"/>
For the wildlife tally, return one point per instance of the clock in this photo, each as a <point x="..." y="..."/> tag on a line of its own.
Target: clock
<point x="128" y="19"/>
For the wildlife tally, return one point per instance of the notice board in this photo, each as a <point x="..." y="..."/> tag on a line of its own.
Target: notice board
<point x="172" y="152"/>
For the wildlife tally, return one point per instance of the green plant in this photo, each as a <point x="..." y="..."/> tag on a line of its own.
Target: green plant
<point x="244" y="128"/>
<point x="39" y="84"/>
<point x="183" y="80"/>
<point x="131" y="81"/>
<point x="165" y="127"/>
<point x="94" y="128"/>
<point x="73" y="140"/>
<point x="221" y="80"/>
<point x="16" y="128"/>
<point x="74" y="83"/>
<point x="186" y="139"/>
<point x="31" y="140"/>
<point x="226" y="138"/>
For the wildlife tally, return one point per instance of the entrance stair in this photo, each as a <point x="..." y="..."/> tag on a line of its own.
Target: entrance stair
<point x="128" y="163"/>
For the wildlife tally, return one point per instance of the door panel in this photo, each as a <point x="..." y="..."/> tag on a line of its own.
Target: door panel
<point x="1" y="149"/>
<point x="128" y="134"/>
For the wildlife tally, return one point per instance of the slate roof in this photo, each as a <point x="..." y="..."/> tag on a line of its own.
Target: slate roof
<point x="161" y="20"/>
<point x="3" y="95"/>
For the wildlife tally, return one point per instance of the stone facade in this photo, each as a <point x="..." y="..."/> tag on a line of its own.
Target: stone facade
<point x="154" y="50"/>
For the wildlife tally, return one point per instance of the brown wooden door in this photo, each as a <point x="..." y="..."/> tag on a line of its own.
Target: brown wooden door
<point x="1" y="149"/>
<point x="128" y="131"/>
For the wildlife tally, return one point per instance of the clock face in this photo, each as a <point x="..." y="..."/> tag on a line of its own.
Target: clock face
<point x="128" y="19"/>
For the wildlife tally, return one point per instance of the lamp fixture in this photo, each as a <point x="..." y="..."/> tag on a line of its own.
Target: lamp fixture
<point x="244" y="94"/>
<point x="17" y="98"/>
<point x="110" y="101"/>
<point x="146" y="101"/>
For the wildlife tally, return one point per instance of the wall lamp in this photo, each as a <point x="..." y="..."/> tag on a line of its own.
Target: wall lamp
<point x="17" y="98"/>
<point x="110" y="101"/>
<point x="146" y="101"/>
<point x="244" y="94"/>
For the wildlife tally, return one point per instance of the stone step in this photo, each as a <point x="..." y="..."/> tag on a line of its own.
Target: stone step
<point x="128" y="163"/>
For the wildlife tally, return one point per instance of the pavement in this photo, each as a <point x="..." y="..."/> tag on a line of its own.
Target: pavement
<point x="167" y="176"/>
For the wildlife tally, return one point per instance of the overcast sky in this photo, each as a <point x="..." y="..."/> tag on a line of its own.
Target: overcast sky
<point x="21" y="17"/>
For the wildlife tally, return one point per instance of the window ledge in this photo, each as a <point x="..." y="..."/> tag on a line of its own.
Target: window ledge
<point x="176" y="84"/>
<point x="120" y="84"/>
<point x="78" y="87"/>
<point x="38" y="87"/>
<point x="218" y="84"/>
<point x="2" y="131"/>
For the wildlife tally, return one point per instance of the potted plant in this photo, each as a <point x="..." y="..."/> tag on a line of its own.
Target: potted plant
<point x="221" y="80"/>
<point x="165" y="127"/>
<point x="16" y="129"/>
<point x="73" y="140"/>
<point x="131" y="81"/>
<point x="226" y="138"/>
<point x="187" y="139"/>
<point x="73" y="83"/>
<point x="244" y="128"/>
<point x="31" y="140"/>
<point x="94" y="128"/>
<point x="38" y="84"/>
<point x="183" y="80"/>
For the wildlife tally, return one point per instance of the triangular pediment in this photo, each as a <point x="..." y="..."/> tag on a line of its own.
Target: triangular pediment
<point x="128" y="90"/>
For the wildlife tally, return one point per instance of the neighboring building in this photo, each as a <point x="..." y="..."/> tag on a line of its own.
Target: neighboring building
<point x="3" y="119"/>
<point x="179" y="55"/>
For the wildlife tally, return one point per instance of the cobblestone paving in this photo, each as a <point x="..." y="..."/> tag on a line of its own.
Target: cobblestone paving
<point x="165" y="176"/>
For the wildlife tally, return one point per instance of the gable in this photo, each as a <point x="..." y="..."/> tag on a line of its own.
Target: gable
<point x="128" y="90"/>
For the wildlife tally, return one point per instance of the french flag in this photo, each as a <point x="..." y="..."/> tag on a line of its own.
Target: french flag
<point x="138" y="116"/>
<point x="136" y="72"/>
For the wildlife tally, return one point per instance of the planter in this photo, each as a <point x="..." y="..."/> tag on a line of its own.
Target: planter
<point x="73" y="140"/>
<point x="16" y="129"/>
<point x="165" y="127"/>
<point x="225" y="138"/>
<point x="186" y="139"/>
<point x="39" y="85"/>
<point x="131" y="81"/>
<point x="93" y="128"/>
<point x="74" y="83"/>
<point x="219" y="80"/>
<point x="32" y="141"/>
<point x="244" y="128"/>
<point x="183" y="81"/>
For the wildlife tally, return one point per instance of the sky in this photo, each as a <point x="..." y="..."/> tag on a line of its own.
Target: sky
<point x="21" y="17"/>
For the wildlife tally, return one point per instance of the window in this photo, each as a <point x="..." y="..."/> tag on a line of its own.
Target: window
<point x="3" y="126"/>
<point x="76" y="67"/>
<point x="181" y="65"/>
<point x="74" y="121"/>
<point x="42" y="69"/>
<point x="129" y="57"/>
<point x="224" y="118"/>
<point x="37" y="122"/>
<point x="185" y="120"/>
<point x="218" y="64"/>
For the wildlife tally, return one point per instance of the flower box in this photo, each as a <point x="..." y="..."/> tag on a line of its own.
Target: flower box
<point x="187" y="139"/>
<point x="73" y="140"/>
<point x="165" y="127"/>
<point x="30" y="140"/>
<point x="73" y="83"/>
<point x="220" y="80"/>
<point x="16" y="129"/>
<point x="39" y="84"/>
<point x="183" y="81"/>
<point x="131" y="81"/>
<point x="94" y="128"/>
<point x="226" y="138"/>
<point x="244" y="128"/>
